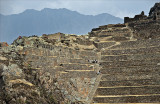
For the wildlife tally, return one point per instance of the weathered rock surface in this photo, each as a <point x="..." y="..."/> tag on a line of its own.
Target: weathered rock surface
<point x="113" y="64"/>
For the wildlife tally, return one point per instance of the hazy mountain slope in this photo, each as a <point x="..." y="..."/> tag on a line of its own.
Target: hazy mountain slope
<point x="32" y="22"/>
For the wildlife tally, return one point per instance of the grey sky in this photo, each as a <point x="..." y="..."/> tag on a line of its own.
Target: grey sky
<point x="119" y="8"/>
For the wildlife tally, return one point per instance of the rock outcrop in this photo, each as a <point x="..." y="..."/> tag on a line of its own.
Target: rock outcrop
<point x="117" y="63"/>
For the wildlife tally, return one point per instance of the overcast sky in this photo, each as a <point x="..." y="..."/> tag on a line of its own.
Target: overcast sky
<point x="119" y="8"/>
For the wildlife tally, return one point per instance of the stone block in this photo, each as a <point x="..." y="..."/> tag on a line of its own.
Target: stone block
<point x="129" y="57"/>
<point x="139" y="82"/>
<point x="131" y="70"/>
<point x="137" y="90"/>
<point x="129" y="99"/>
<point x="130" y="63"/>
<point x="138" y="44"/>
<point x="145" y="50"/>
<point x="120" y="77"/>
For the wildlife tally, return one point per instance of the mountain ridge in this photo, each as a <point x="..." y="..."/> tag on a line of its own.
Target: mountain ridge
<point x="48" y="21"/>
<point x="56" y="9"/>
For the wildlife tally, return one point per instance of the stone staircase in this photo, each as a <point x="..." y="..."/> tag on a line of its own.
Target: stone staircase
<point x="130" y="73"/>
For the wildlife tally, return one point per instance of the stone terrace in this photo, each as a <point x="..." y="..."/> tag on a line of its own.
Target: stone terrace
<point x="129" y="66"/>
<point x="113" y="64"/>
<point x="130" y="74"/>
<point x="67" y="65"/>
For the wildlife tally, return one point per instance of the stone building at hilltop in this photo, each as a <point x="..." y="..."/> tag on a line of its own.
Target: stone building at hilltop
<point x="153" y="14"/>
<point x="116" y="63"/>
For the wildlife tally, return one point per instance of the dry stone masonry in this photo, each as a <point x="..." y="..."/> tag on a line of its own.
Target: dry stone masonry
<point x="116" y="63"/>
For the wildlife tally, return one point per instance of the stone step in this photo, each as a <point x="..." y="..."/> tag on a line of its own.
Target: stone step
<point x="42" y="58"/>
<point x="130" y="57"/>
<point x="82" y="61"/>
<point x="153" y="98"/>
<point x="155" y="62"/>
<point x="131" y="70"/>
<point x="76" y="66"/>
<point x="120" y="77"/>
<point x="129" y="90"/>
<point x="87" y="53"/>
<point x="138" y="43"/>
<point x="101" y="45"/>
<point x="137" y="50"/>
<point x="77" y="74"/>
<point x="69" y="67"/>
<point x="129" y="83"/>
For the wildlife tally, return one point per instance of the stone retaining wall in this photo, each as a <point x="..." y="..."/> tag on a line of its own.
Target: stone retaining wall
<point x="78" y="84"/>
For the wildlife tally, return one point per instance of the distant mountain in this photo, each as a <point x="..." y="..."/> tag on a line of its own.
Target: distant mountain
<point x="33" y="22"/>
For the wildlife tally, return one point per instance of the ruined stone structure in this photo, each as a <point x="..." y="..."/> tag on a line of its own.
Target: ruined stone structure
<point x="136" y="18"/>
<point x="3" y="44"/>
<point x="117" y="63"/>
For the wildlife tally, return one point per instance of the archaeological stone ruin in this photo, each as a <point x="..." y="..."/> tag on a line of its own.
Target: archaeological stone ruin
<point x="115" y="63"/>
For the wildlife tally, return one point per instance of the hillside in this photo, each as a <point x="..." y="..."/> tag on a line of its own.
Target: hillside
<point x="115" y="63"/>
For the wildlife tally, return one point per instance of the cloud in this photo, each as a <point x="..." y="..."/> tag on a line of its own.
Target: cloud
<point x="5" y="7"/>
<point x="17" y="6"/>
